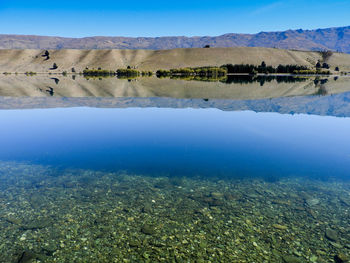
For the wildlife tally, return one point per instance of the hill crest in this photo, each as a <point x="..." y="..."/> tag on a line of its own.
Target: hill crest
<point x="336" y="39"/>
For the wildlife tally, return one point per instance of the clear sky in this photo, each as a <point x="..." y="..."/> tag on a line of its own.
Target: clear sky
<point x="167" y="18"/>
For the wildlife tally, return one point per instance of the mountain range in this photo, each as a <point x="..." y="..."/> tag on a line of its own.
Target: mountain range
<point x="336" y="39"/>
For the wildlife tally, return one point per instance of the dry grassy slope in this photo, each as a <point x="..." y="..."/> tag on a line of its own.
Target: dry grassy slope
<point x="32" y="60"/>
<point x="20" y="86"/>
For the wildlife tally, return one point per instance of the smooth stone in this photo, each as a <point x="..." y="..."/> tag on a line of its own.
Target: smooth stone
<point x="312" y="201"/>
<point x="291" y="259"/>
<point x="280" y="227"/>
<point x="37" y="224"/>
<point x="341" y="258"/>
<point x="134" y="243"/>
<point x="26" y="257"/>
<point x="217" y="195"/>
<point x="331" y="234"/>
<point x="148" y="229"/>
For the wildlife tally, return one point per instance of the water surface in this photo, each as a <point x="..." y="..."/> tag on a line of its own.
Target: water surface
<point x="174" y="171"/>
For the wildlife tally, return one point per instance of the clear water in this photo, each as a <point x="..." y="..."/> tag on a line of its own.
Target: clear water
<point x="179" y="142"/>
<point x="175" y="179"/>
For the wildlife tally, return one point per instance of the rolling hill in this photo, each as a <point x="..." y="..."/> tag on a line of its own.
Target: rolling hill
<point x="32" y="59"/>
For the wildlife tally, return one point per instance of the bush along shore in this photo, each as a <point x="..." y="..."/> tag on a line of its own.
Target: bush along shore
<point x="280" y="69"/>
<point x="209" y="73"/>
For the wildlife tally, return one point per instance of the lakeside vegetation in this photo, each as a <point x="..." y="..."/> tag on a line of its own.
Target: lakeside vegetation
<point x="98" y="72"/>
<point x="280" y="69"/>
<point x="209" y="72"/>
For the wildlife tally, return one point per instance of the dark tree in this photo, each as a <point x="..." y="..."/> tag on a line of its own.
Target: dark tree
<point x="54" y="66"/>
<point x="73" y="70"/>
<point x="46" y="54"/>
<point x="263" y="64"/>
<point x="318" y="65"/>
<point x="326" y="54"/>
<point x="336" y="68"/>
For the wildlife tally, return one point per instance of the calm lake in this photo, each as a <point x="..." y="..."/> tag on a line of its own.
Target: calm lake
<point x="162" y="170"/>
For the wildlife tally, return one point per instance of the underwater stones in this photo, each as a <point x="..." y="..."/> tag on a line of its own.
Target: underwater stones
<point x="341" y="258"/>
<point x="49" y="249"/>
<point x="331" y="234"/>
<point x="280" y="227"/>
<point x="36" y="201"/>
<point x="312" y="201"/>
<point x="25" y="257"/>
<point x="134" y="243"/>
<point x="147" y="208"/>
<point x="345" y="200"/>
<point x="13" y="220"/>
<point x="214" y="199"/>
<point x="281" y="202"/>
<point x="37" y="224"/>
<point x="291" y="259"/>
<point x="217" y="195"/>
<point x="148" y="229"/>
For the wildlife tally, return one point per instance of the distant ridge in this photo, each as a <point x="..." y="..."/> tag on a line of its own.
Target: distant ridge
<point x="337" y="39"/>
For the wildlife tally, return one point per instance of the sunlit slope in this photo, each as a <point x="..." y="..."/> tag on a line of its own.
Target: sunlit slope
<point x="32" y="60"/>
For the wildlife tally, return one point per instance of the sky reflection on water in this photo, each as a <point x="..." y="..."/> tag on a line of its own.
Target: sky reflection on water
<point x="178" y="141"/>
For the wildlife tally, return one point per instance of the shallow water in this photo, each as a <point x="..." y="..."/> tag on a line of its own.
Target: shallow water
<point x="175" y="180"/>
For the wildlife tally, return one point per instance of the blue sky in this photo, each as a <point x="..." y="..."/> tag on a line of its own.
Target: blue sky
<point x="167" y="18"/>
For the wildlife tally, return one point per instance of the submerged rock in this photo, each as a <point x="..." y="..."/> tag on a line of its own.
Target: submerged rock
<point x="312" y="201"/>
<point x="37" y="224"/>
<point x="134" y="243"/>
<point x="280" y="227"/>
<point x="26" y="257"/>
<point x="341" y="258"/>
<point x="291" y="259"/>
<point x="148" y="229"/>
<point x="331" y="234"/>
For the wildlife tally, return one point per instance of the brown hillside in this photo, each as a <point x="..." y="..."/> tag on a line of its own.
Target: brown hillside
<point x="32" y="60"/>
<point x="336" y="39"/>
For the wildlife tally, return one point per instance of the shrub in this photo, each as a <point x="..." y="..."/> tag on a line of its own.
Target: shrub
<point x="128" y="72"/>
<point x="146" y="73"/>
<point x="326" y="54"/>
<point x="30" y="73"/>
<point x="325" y="65"/>
<point x="163" y="73"/>
<point x="98" y="72"/>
